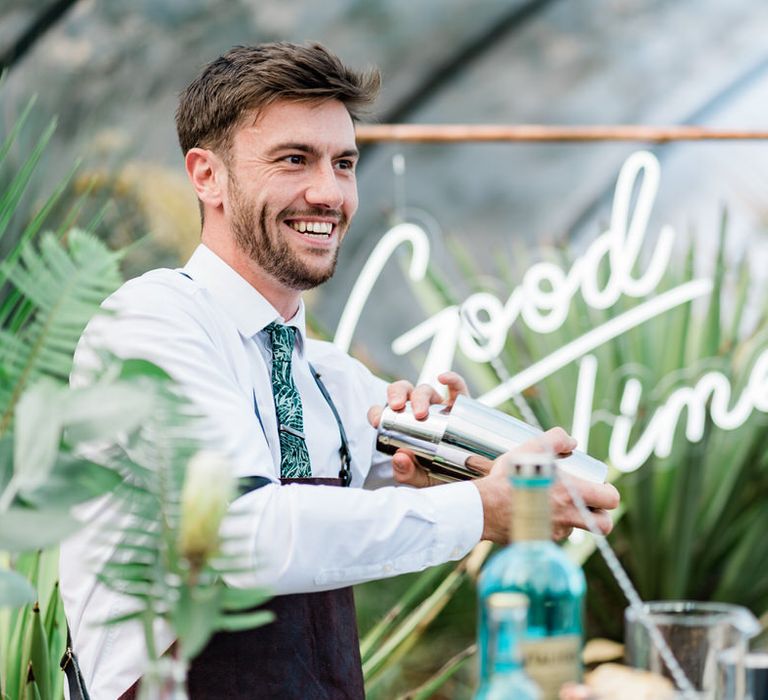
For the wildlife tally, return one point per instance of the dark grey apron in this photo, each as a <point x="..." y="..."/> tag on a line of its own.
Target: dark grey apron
<point x="310" y="652"/>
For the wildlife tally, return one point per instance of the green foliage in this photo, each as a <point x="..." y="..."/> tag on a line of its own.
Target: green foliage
<point x="50" y="285"/>
<point x="32" y="637"/>
<point x="56" y="291"/>
<point x="692" y="524"/>
<point x="693" y="521"/>
<point x="15" y="590"/>
<point x="149" y="563"/>
<point x="443" y="594"/>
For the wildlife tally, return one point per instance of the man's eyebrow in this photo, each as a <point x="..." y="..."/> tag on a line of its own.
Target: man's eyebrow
<point x="311" y="150"/>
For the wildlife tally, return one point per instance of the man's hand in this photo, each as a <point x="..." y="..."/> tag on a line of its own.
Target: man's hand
<point x="497" y="495"/>
<point x="495" y="490"/>
<point x="404" y="467"/>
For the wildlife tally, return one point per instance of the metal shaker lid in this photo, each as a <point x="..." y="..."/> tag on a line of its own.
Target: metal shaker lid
<point x="431" y="429"/>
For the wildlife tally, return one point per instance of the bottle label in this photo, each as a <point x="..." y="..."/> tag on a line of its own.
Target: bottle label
<point x="552" y="661"/>
<point x="531" y="515"/>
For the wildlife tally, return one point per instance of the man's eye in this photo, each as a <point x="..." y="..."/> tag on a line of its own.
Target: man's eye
<point x="295" y="159"/>
<point x="345" y="164"/>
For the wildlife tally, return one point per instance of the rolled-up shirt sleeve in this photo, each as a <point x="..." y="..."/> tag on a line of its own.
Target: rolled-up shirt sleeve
<point x="300" y="538"/>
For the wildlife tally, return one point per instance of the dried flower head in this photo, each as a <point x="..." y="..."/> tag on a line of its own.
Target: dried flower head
<point x="205" y="497"/>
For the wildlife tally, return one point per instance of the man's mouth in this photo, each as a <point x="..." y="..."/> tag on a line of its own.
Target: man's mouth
<point x="312" y="229"/>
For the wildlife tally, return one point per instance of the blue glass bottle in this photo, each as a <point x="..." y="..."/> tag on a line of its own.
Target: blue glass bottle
<point x="534" y="565"/>
<point x="507" y="615"/>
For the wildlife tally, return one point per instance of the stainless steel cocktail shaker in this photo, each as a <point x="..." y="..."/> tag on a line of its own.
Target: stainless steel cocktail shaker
<point x="461" y="442"/>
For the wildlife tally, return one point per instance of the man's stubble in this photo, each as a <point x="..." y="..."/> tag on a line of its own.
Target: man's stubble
<point x="269" y="250"/>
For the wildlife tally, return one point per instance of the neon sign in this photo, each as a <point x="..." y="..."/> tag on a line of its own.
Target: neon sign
<point x="481" y="324"/>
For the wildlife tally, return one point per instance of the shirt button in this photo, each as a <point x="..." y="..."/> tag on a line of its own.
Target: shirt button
<point x="387" y="568"/>
<point x="455" y="552"/>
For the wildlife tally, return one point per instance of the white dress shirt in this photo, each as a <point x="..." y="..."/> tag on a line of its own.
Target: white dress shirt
<point x="207" y="333"/>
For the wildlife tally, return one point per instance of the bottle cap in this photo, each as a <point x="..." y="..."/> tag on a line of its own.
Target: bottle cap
<point x="531" y="465"/>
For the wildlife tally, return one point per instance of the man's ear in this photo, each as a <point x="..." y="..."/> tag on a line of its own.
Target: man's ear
<point x="207" y="173"/>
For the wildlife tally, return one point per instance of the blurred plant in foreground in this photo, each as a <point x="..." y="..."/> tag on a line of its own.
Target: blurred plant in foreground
<point x="171" y="559"/>
<point x="50" y="285"/>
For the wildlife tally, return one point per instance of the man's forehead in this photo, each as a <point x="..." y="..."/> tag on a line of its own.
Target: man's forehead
<point x="300" y="120"/>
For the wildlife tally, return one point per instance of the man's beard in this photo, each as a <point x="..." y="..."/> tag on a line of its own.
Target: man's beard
<point x="272" y="253"/>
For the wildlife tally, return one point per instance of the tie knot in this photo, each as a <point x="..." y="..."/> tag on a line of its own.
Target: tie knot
<point x="283" y="338"/>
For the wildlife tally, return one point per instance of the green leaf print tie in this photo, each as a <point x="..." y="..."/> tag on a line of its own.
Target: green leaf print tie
<point x="294" y="458"/>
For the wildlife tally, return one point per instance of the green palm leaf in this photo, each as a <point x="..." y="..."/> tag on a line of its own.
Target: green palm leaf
<point x="50" y="285"/>
<point x="64" y="286"/>
<point x="148" y="563"/>
<point x="12" y="193"/>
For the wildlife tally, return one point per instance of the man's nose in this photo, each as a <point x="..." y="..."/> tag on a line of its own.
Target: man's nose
<point x="324" y="189"/>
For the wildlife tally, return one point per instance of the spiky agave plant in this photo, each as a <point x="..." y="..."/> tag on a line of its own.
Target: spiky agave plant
<point x="692" y="521"/>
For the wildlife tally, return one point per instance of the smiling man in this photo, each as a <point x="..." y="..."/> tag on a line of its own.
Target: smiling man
<point x="281" y="197"/>
<point x="268" y="138"/>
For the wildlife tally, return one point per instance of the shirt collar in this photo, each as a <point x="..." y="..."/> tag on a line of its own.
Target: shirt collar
<point x="247" y="308"/>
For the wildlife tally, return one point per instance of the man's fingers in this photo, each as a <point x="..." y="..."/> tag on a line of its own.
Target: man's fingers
<point x="604" y="496"/>
<point x="422" y="397"/>
<point x="455" y="384"/>
<point x="599" y="498"/>
<point x="563" y="525"/>
<point x="398" y="394"/>
<point x="403" y="466"/>
<point x="603" y="519"/>
<point x="406" y="471"/>
<point x="555" y="440"/>
<point x="559" y="441"/>
<point x="374" y="415"/>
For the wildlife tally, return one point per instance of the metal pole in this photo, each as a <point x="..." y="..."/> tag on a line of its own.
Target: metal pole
<point x="448" y="133"/>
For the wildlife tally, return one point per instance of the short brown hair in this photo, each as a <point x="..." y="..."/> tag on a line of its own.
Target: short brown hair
<point x="248" y="78"/>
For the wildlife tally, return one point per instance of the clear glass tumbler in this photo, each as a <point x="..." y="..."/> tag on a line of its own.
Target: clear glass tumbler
<point x="699" y="634"/>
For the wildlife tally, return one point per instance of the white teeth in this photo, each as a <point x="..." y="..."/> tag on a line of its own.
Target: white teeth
<point x="321" y="227"/>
